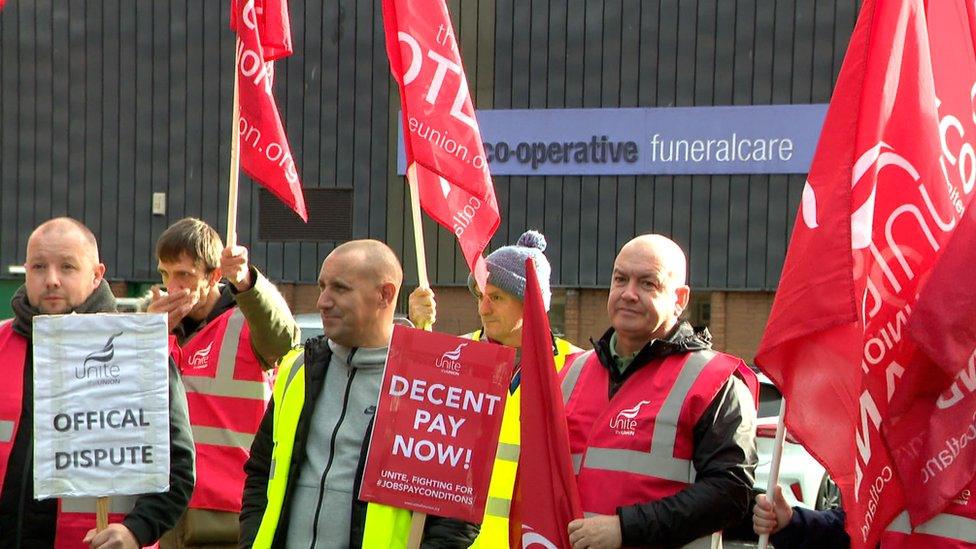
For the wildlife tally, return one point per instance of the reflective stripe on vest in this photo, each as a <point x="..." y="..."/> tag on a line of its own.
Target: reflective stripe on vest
<point x="297" y="366"/>
<point x="947" y="526"/>
<point x="223" y="382"/>
<point x="76" y="516"/>
<point x="13" y="354"/>
<point x="116" y="504"/>
<point x="660" y="461"/>
<point x="289" y="399"/>
<point x="572" y="375"/>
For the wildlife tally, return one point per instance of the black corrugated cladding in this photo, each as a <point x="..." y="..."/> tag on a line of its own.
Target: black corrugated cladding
<point x="104" y="103"/>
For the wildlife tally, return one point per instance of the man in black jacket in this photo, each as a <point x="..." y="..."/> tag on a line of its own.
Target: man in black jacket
<point x="65" y="276"/>
<point x="310" y="499"/>
<point x="662" y="428"/>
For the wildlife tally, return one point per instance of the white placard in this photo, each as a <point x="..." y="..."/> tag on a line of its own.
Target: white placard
<point x="101" y="405"/>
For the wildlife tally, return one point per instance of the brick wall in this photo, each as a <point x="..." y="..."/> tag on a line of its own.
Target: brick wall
<point x="742" y="323"/>
<point x="737" y="318"/>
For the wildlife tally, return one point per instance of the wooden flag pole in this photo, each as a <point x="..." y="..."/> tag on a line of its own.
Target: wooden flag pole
<point x="418" y="231"/>
<point x="235" y="157"/>
<point x="417" y="520"/>
<point x="101" y="514"/>
<point x="774" y="466"/>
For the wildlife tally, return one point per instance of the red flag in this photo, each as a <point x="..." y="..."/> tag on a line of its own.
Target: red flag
<point x="545" y="498"/>
<point x="472" y="220"/>
<point x="886" y="189"/>
<point x="441" y="136"/>
<point x="263" y="35"/>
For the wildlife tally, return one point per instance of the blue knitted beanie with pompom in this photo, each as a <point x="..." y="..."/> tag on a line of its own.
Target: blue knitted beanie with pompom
<point x="506" y="266"/>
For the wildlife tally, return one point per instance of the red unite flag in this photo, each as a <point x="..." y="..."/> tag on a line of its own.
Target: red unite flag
<point x="545" y="498"/>
<point x="890" y="181"/>
<point x="440" y="134"/>
<point x="264" y="35"/>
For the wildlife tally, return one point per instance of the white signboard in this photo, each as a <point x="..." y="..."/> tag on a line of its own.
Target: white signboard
<point x="101" y="405"/>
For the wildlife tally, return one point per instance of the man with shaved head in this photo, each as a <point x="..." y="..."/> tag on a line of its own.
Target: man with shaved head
<point x="661" y="428"/>
<point x="64" y="275"/>
<point x="308" y="456"/>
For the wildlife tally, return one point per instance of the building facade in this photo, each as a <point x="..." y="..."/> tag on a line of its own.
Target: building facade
<point x="109" y="107"/>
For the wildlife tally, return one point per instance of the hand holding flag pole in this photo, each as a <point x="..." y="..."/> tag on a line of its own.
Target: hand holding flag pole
<point x="774" y="466"/>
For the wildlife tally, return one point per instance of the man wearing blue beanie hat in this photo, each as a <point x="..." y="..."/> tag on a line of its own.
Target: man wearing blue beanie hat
<point x="500" y="309"/>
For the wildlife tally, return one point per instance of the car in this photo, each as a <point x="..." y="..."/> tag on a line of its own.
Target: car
<point x="804" y="480"/>
<point x="311" y="324"/>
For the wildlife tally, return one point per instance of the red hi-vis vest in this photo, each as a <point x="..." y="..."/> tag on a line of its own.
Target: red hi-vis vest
<point x="76" y="516"/>
<point x="638" y="446"/>
<point x="227" y="393"/>
<point x="954" y="528"/>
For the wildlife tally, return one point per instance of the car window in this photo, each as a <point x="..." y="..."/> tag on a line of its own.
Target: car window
<point x="769" y="399"/>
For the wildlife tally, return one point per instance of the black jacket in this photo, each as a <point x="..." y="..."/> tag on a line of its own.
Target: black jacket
<point x="27" y="522"/>
<point x="438" y="532"/>
<point x="809" y="529"/>
<point x="724" y="456"/>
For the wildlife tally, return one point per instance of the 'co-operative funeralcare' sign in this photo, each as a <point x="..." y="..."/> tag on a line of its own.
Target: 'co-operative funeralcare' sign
<point x="638" y="141"/>
<point x="101" y="405"/>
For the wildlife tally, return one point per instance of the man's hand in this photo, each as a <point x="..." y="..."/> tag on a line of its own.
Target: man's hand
<point x="422" y="309"/>
<point x="116" y="536"/>
<point x="176" y="305"/>
<point x="769" y="518"/>
<point x="599" y="532"/>
<point x="234" y="267"/>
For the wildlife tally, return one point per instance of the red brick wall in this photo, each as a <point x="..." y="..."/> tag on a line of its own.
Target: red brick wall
<point x="738" y="321"/>
<point x="737" y="318"/>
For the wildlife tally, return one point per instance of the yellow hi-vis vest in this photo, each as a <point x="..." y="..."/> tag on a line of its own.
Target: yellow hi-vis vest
<point x="389" y="527"/>
<point x="289" y="399"/>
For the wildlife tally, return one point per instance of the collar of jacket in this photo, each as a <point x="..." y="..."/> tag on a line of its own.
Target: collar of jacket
<point x="100" y="301"/>
<point x="682" y="338"/>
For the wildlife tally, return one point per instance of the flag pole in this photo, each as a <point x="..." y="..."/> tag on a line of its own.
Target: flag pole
<point x="101" y="513"/>
<point x="235" y="154"/>
<point x="774" y="466"/>
<point x="417" y="519"/>
<point x="418" y="230"/>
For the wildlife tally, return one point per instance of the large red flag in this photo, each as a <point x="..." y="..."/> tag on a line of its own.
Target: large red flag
<point x="440" y="134"/>
<point x="890" y="179"/>
<point x="545" y="498"/>
<point x="263" y="35"/>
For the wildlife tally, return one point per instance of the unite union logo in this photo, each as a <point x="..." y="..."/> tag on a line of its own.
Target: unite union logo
<point x="448" y="362"/>
<point x="98" y="368"/>
<point x="199" y="359"/>
<point x="625" y="422"/>
<point x="531" y="538"/>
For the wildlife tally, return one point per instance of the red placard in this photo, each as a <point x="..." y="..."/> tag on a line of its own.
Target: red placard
<point x="437" y="424"/>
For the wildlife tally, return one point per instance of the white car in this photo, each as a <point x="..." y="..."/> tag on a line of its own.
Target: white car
<point x="804" y="481"/>
<point x="311" y="324"/>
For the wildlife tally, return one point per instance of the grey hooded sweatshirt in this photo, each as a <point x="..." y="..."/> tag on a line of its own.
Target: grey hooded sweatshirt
<point x="323" y="492"/>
